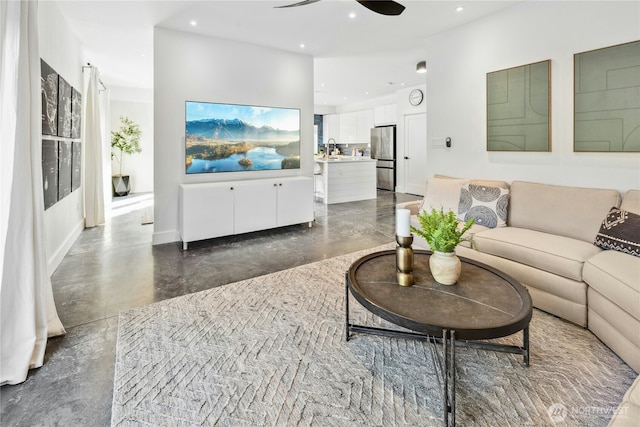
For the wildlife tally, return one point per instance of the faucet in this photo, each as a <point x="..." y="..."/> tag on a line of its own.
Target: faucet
<point x="329" y="144"/>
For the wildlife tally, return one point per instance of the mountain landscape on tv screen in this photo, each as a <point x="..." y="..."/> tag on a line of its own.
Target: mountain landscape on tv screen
<point x="228" y="145"/>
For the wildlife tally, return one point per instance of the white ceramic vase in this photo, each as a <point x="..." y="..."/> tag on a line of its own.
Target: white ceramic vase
<point x="445" y="267"/>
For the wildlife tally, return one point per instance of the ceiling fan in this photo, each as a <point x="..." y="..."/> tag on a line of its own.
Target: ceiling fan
<point x="383" y="7"/>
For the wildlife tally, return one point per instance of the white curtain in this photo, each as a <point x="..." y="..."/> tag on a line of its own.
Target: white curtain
<point x="94" y="196"/>
<point x="27" y="310"/>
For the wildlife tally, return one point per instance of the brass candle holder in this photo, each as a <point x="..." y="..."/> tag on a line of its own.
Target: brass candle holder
<point x="404" y="260"/>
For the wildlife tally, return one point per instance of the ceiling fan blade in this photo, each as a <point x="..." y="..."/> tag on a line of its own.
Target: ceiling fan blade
<point x="389" y="8"/>
<point x="301" y="3"/>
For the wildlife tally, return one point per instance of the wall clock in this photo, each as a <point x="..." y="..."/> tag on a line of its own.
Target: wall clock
<point x="415" y="97"/>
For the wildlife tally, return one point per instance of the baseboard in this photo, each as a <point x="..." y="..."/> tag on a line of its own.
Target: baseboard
<point x="165" y="237"/>
<point x="64" y="248"/>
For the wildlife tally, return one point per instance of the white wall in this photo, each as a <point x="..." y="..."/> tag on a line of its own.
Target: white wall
<point x="138" y="166"/>
<point x="527" y="32"/>
<point x="197" y="68"/>
<point x="59" y="48"/>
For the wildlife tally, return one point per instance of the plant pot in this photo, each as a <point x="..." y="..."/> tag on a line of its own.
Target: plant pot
<point x="120" y="184"/>
<point x="445" y="267"/>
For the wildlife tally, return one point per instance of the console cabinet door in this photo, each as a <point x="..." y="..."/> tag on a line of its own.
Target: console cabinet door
<point x="255" y="206"/>
<point x="295" y="201"/>
<point x="206" y="211"/>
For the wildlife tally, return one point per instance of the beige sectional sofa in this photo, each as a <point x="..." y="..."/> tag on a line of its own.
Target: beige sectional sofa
<point x="548" y="245"/>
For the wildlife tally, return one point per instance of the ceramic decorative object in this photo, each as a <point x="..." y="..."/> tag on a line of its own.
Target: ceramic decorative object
<point x="445" y="267"/>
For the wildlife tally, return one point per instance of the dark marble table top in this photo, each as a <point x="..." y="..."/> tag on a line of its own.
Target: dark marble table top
<point x="485" y="303"/>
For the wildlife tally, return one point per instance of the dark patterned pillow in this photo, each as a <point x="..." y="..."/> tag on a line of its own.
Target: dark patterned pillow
<point x="620" y="231"/>
<point x="486" y="205"/>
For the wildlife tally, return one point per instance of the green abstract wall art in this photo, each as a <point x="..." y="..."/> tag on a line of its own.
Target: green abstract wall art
<point x="518" y="107"/>
<point x="607" y="99"/>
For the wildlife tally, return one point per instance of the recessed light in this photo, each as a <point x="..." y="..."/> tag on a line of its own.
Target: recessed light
<point x="459" y="9"/>
<point x="193" y="23"/>
<point x="301" y="45"/>
<point x="352" y="15"/>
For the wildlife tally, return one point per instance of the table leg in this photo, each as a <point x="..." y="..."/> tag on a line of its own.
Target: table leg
<point x="452" y="371"/>
<point x="449" y="374"/>
<point x="346" y="304"/>
<point x="445" y="375"/>
<point x="525" y="345"/>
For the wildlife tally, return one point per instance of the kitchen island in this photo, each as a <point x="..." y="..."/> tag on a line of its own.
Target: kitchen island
<point x="345" y="179"/>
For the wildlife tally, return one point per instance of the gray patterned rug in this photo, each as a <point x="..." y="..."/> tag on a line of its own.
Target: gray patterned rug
<point x="270" y="351"/>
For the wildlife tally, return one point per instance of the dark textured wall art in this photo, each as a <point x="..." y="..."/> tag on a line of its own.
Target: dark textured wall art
<point x="76" y="165"/>
<point x="518" y="105"/>
<point x="607" y="99"/>
<point x="64" y="108"/>
<point x="76" y="113"/>
<point x="64" y="169"/>
<point x="49" y="92"/>
<point x="50" y="172"/>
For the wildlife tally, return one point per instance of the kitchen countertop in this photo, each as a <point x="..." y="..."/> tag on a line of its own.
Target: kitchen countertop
<point x="343" y="159"/>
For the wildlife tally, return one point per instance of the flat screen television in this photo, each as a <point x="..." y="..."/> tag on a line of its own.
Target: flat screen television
<point x="236" y="138"/>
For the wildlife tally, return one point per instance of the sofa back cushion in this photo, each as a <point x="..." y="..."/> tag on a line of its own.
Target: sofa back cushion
<point x="631" y="201"/>
<point x="565" y="211"/>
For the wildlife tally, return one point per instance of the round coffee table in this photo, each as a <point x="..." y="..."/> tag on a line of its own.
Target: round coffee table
<point x="484" y="304"/>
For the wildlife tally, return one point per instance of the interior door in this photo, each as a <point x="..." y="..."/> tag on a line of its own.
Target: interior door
<point x="415" y="153"/>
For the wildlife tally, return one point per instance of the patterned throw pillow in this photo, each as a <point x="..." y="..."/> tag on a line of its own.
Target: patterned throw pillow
<point x="487" y="205"/>
<point x="620" y="231"/>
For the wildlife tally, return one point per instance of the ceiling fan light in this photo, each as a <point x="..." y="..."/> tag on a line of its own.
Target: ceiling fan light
<point x="421" y="67"/>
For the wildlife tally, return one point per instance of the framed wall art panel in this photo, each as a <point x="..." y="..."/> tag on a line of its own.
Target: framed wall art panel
<point x="50" y="172"/>
<point x="64" y="169"/>
<point x="64" y="108"/>
<point x="518" y="108"/>
<point x="76" y="113"/>
<point x="76" y="165"/>
<point x="49" y="92"/>
<point x="607" y="99"/>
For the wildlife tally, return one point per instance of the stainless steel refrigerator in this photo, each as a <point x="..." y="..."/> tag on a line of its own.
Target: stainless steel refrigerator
<point x="383" y="149"/>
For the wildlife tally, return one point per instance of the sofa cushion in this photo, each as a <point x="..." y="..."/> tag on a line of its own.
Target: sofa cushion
<point x="487" y="205"/>
<point x="631" y="201"/>
<point x="628" y="413"/>
<point x="620" y="231"/>
<point x="443" y="193"/>
<point x="616" y="276"/>
<point x="566" y="211"/>
<point x="556" y="254"/>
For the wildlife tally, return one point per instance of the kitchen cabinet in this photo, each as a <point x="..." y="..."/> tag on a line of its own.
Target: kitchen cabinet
<point x="384" y="115"/>
<point x="331" y="127"/>
<point x="348" y="128"/>
<point x="216" y="209"/>
<point x="365" y="123"/>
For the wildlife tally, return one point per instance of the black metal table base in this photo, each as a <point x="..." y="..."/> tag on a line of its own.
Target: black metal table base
<point x="445" y="366"/>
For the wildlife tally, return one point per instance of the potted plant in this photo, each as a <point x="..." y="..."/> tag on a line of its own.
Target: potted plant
<point x="125" y="141"/>
<point x="443" y="233"/>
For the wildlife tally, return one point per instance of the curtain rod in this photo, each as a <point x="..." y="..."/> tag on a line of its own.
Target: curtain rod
<point x="99" y="79"/>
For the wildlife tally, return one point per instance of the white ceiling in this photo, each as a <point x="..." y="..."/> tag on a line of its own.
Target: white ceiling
<point x="370" y="55"/>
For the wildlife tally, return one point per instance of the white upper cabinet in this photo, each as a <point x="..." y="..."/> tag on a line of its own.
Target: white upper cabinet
<point x="345" y="128"/>
<point x="384" y="115"/>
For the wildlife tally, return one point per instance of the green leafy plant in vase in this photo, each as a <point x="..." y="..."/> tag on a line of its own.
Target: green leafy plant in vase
<point x="125" y="140"/>
<point x="443" y="233"/>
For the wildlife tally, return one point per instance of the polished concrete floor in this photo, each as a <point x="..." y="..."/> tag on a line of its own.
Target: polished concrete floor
<point x="114" y="267"/>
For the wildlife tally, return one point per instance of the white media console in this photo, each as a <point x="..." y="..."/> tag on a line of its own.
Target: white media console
<point x="216" y="209"/>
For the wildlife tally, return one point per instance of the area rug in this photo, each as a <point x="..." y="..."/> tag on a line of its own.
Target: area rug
<point x="271" y="351"/>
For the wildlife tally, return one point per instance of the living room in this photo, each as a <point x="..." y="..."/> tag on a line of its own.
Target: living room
<point x="458" y="61"/>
